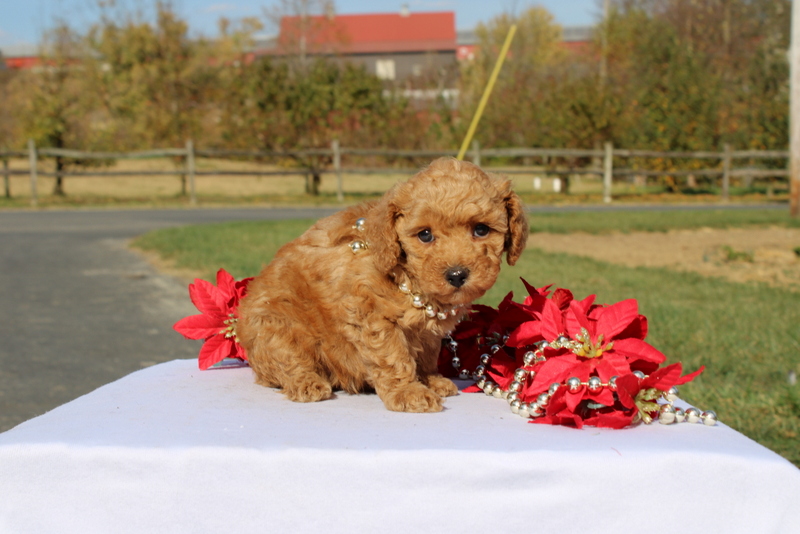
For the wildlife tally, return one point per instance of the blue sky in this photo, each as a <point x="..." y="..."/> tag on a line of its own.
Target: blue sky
<point x="24" y="21"/>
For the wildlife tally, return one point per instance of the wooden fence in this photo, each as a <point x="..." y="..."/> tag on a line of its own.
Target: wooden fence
<point x="724" y="167"/>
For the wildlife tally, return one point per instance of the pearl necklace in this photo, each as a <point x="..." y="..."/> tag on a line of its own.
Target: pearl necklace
<point x="417" y="300"/>
<point x="430" y="310"/>
<point x="668" y="413"/>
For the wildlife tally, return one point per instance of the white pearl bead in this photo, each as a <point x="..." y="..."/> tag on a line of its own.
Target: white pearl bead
<point x="666" y="414"/>
<point x="692" y="415"/>
<point x="709" y="418"/>
<point x="680" y="415"/>
<point x="574" y="383"/>
<point x="528" y="358"/>
<point x="595" y="384"/>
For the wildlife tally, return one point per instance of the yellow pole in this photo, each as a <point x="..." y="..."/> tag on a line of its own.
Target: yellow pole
<point x="486" y="92"/>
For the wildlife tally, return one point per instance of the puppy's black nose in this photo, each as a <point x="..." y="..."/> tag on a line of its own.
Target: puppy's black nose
<point x="457" y="276"/>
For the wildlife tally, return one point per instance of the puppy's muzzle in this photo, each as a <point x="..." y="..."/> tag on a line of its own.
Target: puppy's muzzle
<point x="457" y="276"/>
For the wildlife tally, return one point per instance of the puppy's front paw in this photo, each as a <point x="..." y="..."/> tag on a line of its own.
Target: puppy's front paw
<point x="414" y="398"/>
<point x="444" y="387"/>
<point x="310" y="388"/>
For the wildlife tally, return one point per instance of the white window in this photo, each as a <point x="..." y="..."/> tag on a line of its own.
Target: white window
<point x="384" y="69"/>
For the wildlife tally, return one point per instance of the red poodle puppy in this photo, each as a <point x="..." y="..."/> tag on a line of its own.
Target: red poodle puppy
<point x="362" y="300"/>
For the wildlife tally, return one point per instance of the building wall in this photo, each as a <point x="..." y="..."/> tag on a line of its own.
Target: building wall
<point x="400" y="67"/>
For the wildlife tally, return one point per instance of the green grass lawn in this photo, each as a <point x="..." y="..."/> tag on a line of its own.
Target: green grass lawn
<point x="747" y="335"/>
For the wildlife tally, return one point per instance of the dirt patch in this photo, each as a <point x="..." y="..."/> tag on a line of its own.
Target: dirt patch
<point x="741" y="255"/>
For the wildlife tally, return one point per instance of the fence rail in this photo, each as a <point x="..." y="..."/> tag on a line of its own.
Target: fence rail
<point x="333" y="163"/>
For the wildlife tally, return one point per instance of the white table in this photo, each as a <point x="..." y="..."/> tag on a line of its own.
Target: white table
<point x="174" y="449"/>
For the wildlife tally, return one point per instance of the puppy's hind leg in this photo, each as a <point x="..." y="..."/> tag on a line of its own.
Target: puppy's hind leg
<point x="283" y="360"/>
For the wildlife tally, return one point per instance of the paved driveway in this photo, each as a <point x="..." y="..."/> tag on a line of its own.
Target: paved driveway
<point x="79" y="310"/>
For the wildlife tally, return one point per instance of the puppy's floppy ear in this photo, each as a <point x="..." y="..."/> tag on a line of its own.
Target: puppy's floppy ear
<point x="380" y="231"/>
<point x="517" y="236"/>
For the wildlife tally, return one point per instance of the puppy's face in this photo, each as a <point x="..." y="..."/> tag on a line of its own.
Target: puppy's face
<point x="453" y="223"/>
<point x="454" y="256"/>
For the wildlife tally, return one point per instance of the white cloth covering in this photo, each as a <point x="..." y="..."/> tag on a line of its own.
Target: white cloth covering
<point x="171" y="449"/>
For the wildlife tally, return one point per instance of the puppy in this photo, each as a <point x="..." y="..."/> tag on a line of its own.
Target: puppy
<point x="362" y="300"/>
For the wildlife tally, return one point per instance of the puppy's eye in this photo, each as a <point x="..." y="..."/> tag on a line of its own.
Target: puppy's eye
<point x="481" y="230"/>
<point x="425" y="235"/>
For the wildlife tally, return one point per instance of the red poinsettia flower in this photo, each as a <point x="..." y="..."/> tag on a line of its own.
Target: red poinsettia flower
<point x="589" y="351"/>
<point x="216" y="324"/>
<point x="604" y="343"/>
<point x="629" y="386"/>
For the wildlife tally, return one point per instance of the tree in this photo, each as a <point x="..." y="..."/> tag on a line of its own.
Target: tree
<point x="51" y="104"/>
<point x="516" y="115"/>
<point x="274" y="108"/>
<point x="153" y="81"/>
<point x="7" y="121"/>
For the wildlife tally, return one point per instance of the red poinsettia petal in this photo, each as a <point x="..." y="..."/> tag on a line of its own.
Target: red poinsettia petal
<point x="502" y="370"/>
<point x="241" y="287"/>
<point x="214" y="350"/>
<point x="603" y="396"/>
<point x="225" y="282"/>
<point x="205" y="296"/>
<point x="637" y="329"/>
<point x="238" y="352"/>
<point x="226" y="291"/>
<point x="635" y="349"/>
<point x="472" y="389"/>
<point x="586" y="304"/>
<point x="663" y="378"/>
<point x="616" y="419"/>
<point x="575" y="320"/>
<point x="526" y="334"/>
<point x="575" y="398"/>
<point x="562" y="297"/>
<point x="612" y="364"/>
<point x="552" y="321"/>
<point x="199" y="326"/>
<point x="690" y="376"/>
<point x="627" y="388"/>
<point x="565" y="418"/>
<point x="533" y="292"/>
<point x="556" y="369"/>
<point x="616" y="318"/>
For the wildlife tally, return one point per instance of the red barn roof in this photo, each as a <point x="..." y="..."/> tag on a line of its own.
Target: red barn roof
<point x="372" y="33"/>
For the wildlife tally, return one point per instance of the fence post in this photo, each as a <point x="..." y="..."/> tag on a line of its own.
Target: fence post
<point x="337" y="166"/>
<point x="32" y="163"/>
<point x="726" y="173"/>
<point x="476" y="152"/>
<point x="608" y="171"/>
<point x="190" y="171"/>
<point x="6" y="179"/>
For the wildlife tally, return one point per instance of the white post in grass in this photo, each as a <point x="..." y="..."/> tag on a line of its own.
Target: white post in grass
<point x="190" y="168"/>
<point x="32" y="162"/>
<point x="794" y="114"/>
<point x="608" y="171"/>
<point x="337" y="166"/>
